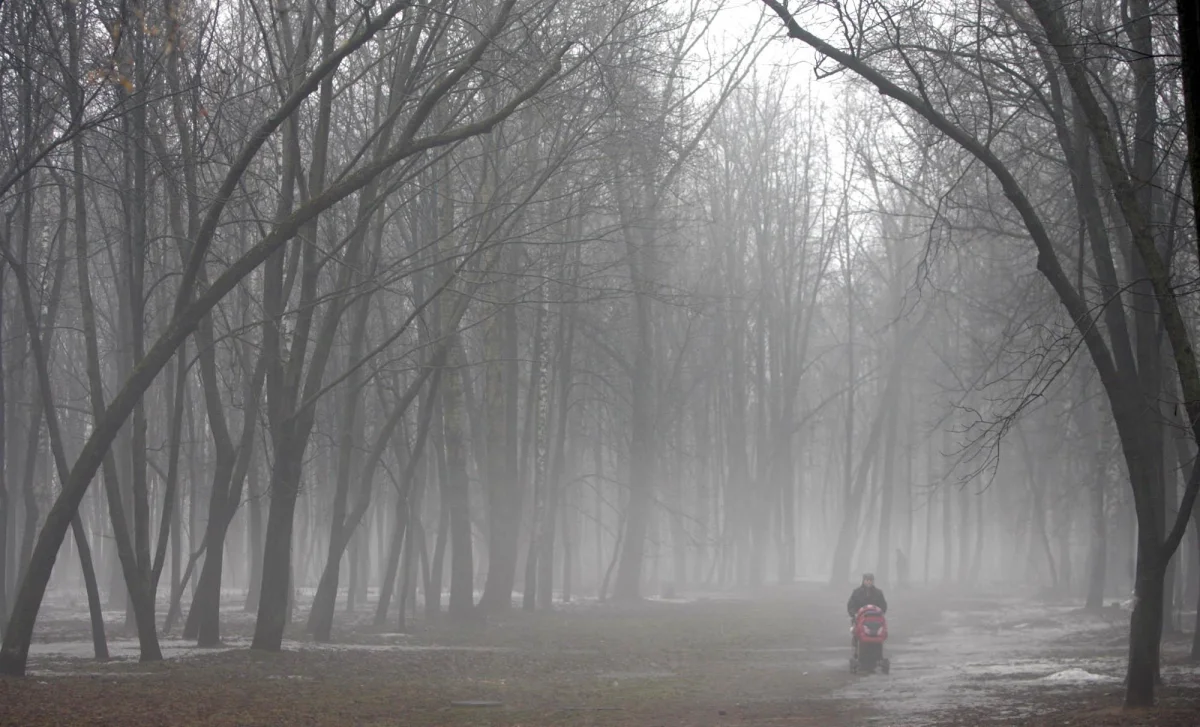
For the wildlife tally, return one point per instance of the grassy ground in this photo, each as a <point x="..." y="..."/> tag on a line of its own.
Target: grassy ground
<point x="776" y="659"/>
<point x="716" y="662"/>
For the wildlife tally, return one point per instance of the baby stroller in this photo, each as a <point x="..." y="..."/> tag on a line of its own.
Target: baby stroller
<point x="870" y="631"/>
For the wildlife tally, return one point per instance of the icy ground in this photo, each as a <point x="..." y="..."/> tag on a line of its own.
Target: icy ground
<point x="776" y="654"/>
<point x="989" y="656"/>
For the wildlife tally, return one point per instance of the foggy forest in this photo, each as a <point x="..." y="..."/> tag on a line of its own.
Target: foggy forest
<point x="401" y="362"/>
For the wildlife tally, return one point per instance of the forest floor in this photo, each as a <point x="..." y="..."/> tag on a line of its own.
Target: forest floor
<point x="776" y="657"/>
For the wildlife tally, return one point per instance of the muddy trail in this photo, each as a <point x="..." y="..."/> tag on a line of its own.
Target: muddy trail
<point x="774" y="657"/>
<point x="1015" y="661"/>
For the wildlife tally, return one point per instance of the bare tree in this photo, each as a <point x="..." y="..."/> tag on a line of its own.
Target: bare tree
<point x="1115" y="358"/>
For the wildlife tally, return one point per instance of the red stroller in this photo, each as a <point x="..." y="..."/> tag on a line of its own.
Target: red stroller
<point x="870" y="631"/>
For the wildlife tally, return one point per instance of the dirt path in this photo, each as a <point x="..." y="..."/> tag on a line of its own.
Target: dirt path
<point x="777" y="658"/>
<point x="1010" y="661"/>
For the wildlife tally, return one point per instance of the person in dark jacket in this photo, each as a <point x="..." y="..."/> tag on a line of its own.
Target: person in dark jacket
<point x="866" y="595"/>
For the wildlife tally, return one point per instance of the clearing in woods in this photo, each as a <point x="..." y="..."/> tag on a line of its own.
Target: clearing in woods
<point x="776" y="657"/>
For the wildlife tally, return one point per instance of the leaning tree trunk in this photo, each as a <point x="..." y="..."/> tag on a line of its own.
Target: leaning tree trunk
<point x="141" y="592"/>
<point x="229" y="477"/>
<point x="392" y="561"/>
<point x="320" y="621"/>
<point x="19" y="633"/>
<point x="39" y="345"/>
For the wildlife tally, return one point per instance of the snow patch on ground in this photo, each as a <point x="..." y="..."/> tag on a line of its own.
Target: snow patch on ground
<point x="1032" y="667"/>
<point x="118" y="649"/>
<point x="60" y="674"/>
<point x="1076" y="675"/>
<point x="985" y="657"/>
<point x="315" y="646"/>
<point x="62" y="658"/>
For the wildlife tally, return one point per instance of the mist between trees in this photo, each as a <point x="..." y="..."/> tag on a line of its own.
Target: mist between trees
<point x="546" y="299"/>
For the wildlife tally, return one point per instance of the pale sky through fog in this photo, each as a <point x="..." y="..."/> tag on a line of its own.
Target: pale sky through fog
<point x="782" y="55"/>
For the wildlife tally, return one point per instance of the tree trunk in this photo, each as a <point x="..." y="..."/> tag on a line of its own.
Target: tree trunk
<point x="414" y="545"/>
<point x="555" y="481"/>
<point x="5" y="502"/>
<point x="288" y="384"/>
<point x="537" y="425"/>
<point x="28" y="483"/>
<point x="350" y="428"/>
<point x="254" y="498"/>
<point x="392" y="567"/>
<point x="1195" y="654"/>
<point x="503" y="487"/>
<point x="1145" y="634"/>
<point x="1090" y="429"/>
<point x="1128" y="409"/>
<point x="628" y="583"/>
<point x="545" y="546"/>
<point x="456" y="488"/>
<point x="642" y="442"/>
<point x="355" y="581"/>
<point x="503" y="492"/>
<point x="433" y="584"/>
<point x="569" y="553"/>
<point x="640" y="260"/>
<point x="320" y="621"/>
<point x="947" y="497"/>
<point x="1170" y="512"/>
<point x="14" y="654"/>
<point x="408" y="501"/>
<point x="857" y="487"/>
<point x="980" y="537"/>
<point x="887" y="504"/>
<point x="39" y="344"/>
<point x="92" y="588"/>
<point x="929" y="503"/>
<point x="273" y="608"/>
<point x="785" y="463"/>
<point x="1038" y="513"/>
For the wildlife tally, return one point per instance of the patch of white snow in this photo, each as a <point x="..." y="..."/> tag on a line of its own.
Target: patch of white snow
<point x="1076" y="675"/>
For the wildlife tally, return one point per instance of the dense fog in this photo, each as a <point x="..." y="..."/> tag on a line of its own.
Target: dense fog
<point x="446" y="310"/>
